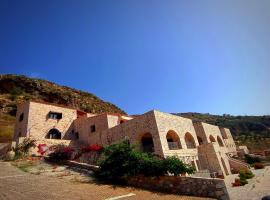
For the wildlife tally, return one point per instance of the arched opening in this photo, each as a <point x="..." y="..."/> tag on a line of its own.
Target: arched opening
<point x="190" y="142"/>
<point x="147" y="144"/>
<point x="212" y="139"/>
<point x="220" y="141"/>
<point x="53" y="134"/>
<point x="200" y="140"/>
<point x="173" y="140"/>
<point x="224" y="167"/>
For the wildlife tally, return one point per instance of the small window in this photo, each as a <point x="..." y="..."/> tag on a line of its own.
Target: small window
<point x="21" y="117"/>
<point x="122" y="121"/>
<point x="76" y="135"/>
<point x="93" y="128"/>
<point x="55" y="115"/>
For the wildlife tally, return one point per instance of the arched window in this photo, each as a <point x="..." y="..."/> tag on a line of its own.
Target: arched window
<point x="147" y="144"/>
<point x="220" y="141"/>
<point x="53" y="134"/>
<point x="190" y="142"/>
<point x="212" y="139"/>
<point x="173" y="140"/>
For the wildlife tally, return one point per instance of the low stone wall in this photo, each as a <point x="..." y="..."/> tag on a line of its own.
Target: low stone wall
<point x="237" y="165"/>
<point x="48" y="142"/>
<point x="202" y="187"/>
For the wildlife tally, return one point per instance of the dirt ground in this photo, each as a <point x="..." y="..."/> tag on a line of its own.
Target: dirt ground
<point x="15" y="184"/>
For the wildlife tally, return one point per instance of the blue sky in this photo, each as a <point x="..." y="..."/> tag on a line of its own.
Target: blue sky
<point x="174" y="56"/>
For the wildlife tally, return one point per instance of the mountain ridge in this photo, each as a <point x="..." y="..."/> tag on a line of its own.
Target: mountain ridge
<point x="15" y="89"/>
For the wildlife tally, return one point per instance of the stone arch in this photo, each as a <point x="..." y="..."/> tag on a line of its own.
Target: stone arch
<point x="212" y="139"/>
<point x="220" y="141"/>
<point x="190" y="142"/>
<point x="173" y="140"/>
<point x="146" y="143"/>
<point x="224" y="166"/>
<point x="53" y="134"/>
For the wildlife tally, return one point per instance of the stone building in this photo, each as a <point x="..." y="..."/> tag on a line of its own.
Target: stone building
<point x="206" y="147"/>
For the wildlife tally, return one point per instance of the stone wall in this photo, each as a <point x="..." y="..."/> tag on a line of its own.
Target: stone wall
<point x="20" y="129"/>
<point x="202" y="187"/>
<point x="83" y="126"/>
<point x="211" y="130"/>
<point x="228" y="141"/>
<point x="132" y="130"/>
<point x="180" y="127"/>
<point x="213" y="159"/>
<point x="36" y="122"/>
<point x="39" y="124"/>
<point x="48" y="142"/>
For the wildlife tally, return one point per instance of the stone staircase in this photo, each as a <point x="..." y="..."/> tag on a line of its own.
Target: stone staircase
<point x="237" y="164"/>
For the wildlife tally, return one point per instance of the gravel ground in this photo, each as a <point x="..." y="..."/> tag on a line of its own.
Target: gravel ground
<point x="256" y="188"/>
<point x="18" y="185"/>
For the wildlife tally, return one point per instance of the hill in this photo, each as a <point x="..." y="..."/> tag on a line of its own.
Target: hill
<point x="15" y="89"/>
<point x="253" y="131"/>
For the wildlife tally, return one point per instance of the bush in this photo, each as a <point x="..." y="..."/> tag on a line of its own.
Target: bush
<point x="121" y="161"/>
<point x="258" y="166"/>
<point x="247" y="174"/>
<point x="243" y="181"/>
<point x="23" y="148"/>
<point x="175" y="166"/>
<point x="61" y="152"/>
<point x="252" y="159"/>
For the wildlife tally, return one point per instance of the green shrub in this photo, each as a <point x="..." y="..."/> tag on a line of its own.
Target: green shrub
<point x="150" y="165"/>
<point x="15" y="92"/>
<point x="247" y="174"/>
<point x="243" y="181"/>
<point x="122" y="160"/>
<point x="252" y="159"/>
<point x="175" y="166"/>
<point x="118" y="160"/>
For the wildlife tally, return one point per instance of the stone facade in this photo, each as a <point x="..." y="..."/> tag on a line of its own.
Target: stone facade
<point x="203" y="187"/>
<point x="37" y="123"/>
<point x="202" y="145"/>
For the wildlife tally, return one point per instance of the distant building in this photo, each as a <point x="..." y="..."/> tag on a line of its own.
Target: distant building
<point x="206" y="147"/>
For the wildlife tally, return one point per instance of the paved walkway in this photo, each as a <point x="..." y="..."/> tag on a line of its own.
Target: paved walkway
<point x="18" y="185"/>
<point x="256" y="188"/>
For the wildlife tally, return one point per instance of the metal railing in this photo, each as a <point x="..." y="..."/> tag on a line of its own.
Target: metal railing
<point x="174" y="145"/>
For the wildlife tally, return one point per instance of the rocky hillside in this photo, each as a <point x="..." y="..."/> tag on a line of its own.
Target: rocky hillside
<point x="15" y="89"/>
<point x="253" y="131"/>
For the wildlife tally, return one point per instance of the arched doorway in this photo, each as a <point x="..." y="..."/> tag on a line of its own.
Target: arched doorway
<point x="220" y="141"/>
<point x="54" y="134"/>
<point x="212" y="139"/>
<point x="147" y="144"/>
<point x="224" y="167"/>
<point x="173" y="140"/>
<point x="190" y="142"/>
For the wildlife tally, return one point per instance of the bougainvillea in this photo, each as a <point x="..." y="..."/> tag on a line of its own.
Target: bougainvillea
<point x="42" y="149"/>
<point x="96" y="147"/>
<point x="93" y="147"/>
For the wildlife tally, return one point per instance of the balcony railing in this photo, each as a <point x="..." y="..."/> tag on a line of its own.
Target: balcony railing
<point x="174" y="145"/>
